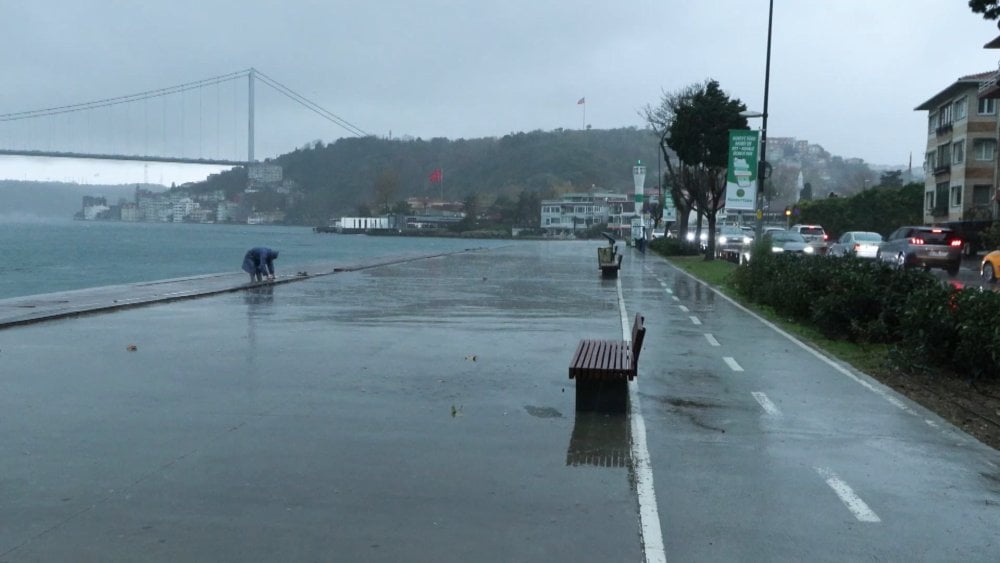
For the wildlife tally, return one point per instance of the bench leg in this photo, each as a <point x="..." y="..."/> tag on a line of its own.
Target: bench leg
<point x="602" y="395"/>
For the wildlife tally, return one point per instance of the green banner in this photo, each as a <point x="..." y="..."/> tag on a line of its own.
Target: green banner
<point x="741" y="175"/>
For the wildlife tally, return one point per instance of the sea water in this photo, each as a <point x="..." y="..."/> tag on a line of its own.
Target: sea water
<point x="45" y="256"/>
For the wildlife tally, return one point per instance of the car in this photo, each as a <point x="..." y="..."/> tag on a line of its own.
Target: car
<point x="861" y="244"/>
<point x="923" y="246"/>
<point x="729" y="241"/>
<point x="814" y="235"/>
<point x="780" y="241"/>
<point x="656" y="233"/>
<point x="989" y="269"/>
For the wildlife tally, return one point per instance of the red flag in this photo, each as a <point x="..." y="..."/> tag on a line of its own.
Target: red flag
<point x="581" y="101"/>
<point x="436" y="176"/>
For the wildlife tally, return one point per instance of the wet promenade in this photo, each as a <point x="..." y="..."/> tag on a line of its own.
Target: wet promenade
<point x="418" y="409"/>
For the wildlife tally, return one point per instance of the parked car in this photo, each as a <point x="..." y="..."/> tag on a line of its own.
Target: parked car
<point x="990" y="267"/>
<point x="862" y="244"/>
<point x="925" y="247"/>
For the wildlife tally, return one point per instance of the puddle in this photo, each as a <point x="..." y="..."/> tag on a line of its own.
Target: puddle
<point x="542" y="412"/>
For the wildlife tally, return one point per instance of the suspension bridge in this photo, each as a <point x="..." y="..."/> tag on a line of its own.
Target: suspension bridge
<point x="202" y="122"/>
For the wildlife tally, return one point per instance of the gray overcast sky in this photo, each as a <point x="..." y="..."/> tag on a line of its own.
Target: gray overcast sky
<point x="845" y="74"/>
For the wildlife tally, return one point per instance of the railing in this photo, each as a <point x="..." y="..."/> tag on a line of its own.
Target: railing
<point x="939" y="211"/>
<point x="989" y="83"/>
<point x="946" y="128"/>
<point x="943" y="169"/>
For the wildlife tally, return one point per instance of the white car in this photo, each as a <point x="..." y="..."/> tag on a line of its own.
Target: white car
<point x="863" y="244"/>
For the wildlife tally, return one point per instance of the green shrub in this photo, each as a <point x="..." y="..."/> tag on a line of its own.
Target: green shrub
<point x="668" y="246"/>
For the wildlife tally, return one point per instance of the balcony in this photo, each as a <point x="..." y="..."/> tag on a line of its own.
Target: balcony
<point x="943" y="130"/>
<point x="943" y="169"/>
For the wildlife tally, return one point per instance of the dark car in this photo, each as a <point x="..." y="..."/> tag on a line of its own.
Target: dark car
<point x="924" y="247"/>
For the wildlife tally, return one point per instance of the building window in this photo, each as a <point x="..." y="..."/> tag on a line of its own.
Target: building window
<point x="981" y="194"/>
<point x="929" y="161"/>
<point x="984" y="148"/>
<point x="929" y="201"/>
<point x="956" y="196"/>
<point x="958" y="152"/>
<point x="943" y="155"/>
<point x="960" y="105"/>
<point x="944" y="116"/>
<point x="987" y="106"/>
<point x="932" y="121"/>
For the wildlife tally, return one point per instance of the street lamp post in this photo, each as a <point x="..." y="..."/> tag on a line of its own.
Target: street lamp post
<point x="762" y="163"/>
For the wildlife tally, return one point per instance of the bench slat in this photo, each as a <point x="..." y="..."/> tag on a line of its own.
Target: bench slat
<point x="609" y="359"/>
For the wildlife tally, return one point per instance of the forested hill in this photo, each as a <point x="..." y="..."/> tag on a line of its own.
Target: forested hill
<point x="336" y="178"/>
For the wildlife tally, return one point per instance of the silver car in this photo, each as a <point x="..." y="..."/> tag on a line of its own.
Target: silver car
<point x="862" y="244"/>
<point x="925" y="247"/>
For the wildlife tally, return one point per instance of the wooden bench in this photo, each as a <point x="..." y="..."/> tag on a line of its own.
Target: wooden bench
<point x="603" y="368"/>
<point x="608" y="259"/>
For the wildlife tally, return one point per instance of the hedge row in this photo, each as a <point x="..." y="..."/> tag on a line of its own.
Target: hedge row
<point x="926" y="322"/>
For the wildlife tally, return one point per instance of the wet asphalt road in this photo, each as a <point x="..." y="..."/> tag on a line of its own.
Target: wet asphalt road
<point x="421" y="411"/>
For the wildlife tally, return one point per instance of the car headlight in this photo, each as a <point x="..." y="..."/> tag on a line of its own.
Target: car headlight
<point x="777" y="249"/>
<point x="690" y="237"/>
<point x="809" y="250"/>
<point x="747" y="240"/>
<point x="722" y="239"/>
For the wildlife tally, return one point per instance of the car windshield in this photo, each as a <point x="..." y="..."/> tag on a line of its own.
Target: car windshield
<point x="867" y="237"/>
<point x="786" y="236"/>
<point x="811" y="230"/>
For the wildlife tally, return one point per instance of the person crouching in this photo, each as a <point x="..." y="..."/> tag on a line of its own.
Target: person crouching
<point x="259" y="263"/>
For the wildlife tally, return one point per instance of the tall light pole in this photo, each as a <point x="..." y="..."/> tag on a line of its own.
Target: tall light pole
<point x="763" y="127"/>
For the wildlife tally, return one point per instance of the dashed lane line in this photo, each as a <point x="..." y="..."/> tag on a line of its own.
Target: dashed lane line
<point x="649" y="515"/>
<point x="684" y="308"/>
<point x="766" y="403"/>
<point x="695" y="320"/>
<point x="852" y="501"/>
<point x="732" y="364"/>
<point x="711" y="340"/>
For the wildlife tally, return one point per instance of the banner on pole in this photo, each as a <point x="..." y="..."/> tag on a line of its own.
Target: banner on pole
<point x="741" y="175"/>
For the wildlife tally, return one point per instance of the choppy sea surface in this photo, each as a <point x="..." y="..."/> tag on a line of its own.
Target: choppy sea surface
<point x="45" y="256"/>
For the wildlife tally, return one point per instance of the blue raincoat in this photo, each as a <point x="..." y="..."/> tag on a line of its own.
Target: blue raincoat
<point x="259" y="261"/>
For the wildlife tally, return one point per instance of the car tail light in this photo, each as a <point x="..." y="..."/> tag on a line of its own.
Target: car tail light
<point x="825" y="237"/>
<point x="916" y="240"/>
<point x="936" y="230"/>
<point x="955" y="242"/>
<point x="856" y="247"/>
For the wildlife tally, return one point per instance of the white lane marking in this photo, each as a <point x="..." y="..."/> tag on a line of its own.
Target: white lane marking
<point x="766" y="403"/>
<point x="664" y="285"/>
<point x="695" y="320"/>
<point x="675" y="298"/>
<point x="852" y="501"/>
<point x="930" y="423"/>
<point x="684" y="308"/>
<point x="711" y="340"/>
<point x="732" y="364"/>
<point x="843" y="371"/>
<point x="649" y="515"/>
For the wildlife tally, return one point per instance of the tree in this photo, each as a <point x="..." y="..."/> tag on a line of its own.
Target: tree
<point x="891" y="179"/>
<point x="988" y="8"/>
<point x="807" y="192"/>
<point x="659" y="119"/>
<point x="386" y="186"/>
<point x="699" y="135"/>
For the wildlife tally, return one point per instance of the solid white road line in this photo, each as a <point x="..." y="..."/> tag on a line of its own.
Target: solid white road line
<point x="766" y="403"/>
<point x="711" y="340"/>
<point x="684" y="308"/>
<point x="649" y="514"/>
<point x="852" y="501"/>
<point x="695" y="320"/>
<point x="732" y="364"/>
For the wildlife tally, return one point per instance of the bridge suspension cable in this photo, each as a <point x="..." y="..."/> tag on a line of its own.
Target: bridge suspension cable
<point x="312" y="106"/>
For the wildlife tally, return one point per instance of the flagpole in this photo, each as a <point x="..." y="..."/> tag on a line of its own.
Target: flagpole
<point x="584" y="124"/>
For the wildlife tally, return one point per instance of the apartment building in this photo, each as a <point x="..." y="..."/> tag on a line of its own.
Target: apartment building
<point x="961" y="157"/>
<point x="580" y="211"/>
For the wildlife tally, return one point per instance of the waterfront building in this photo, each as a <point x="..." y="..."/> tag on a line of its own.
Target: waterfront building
<point x="580" y="211"/>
